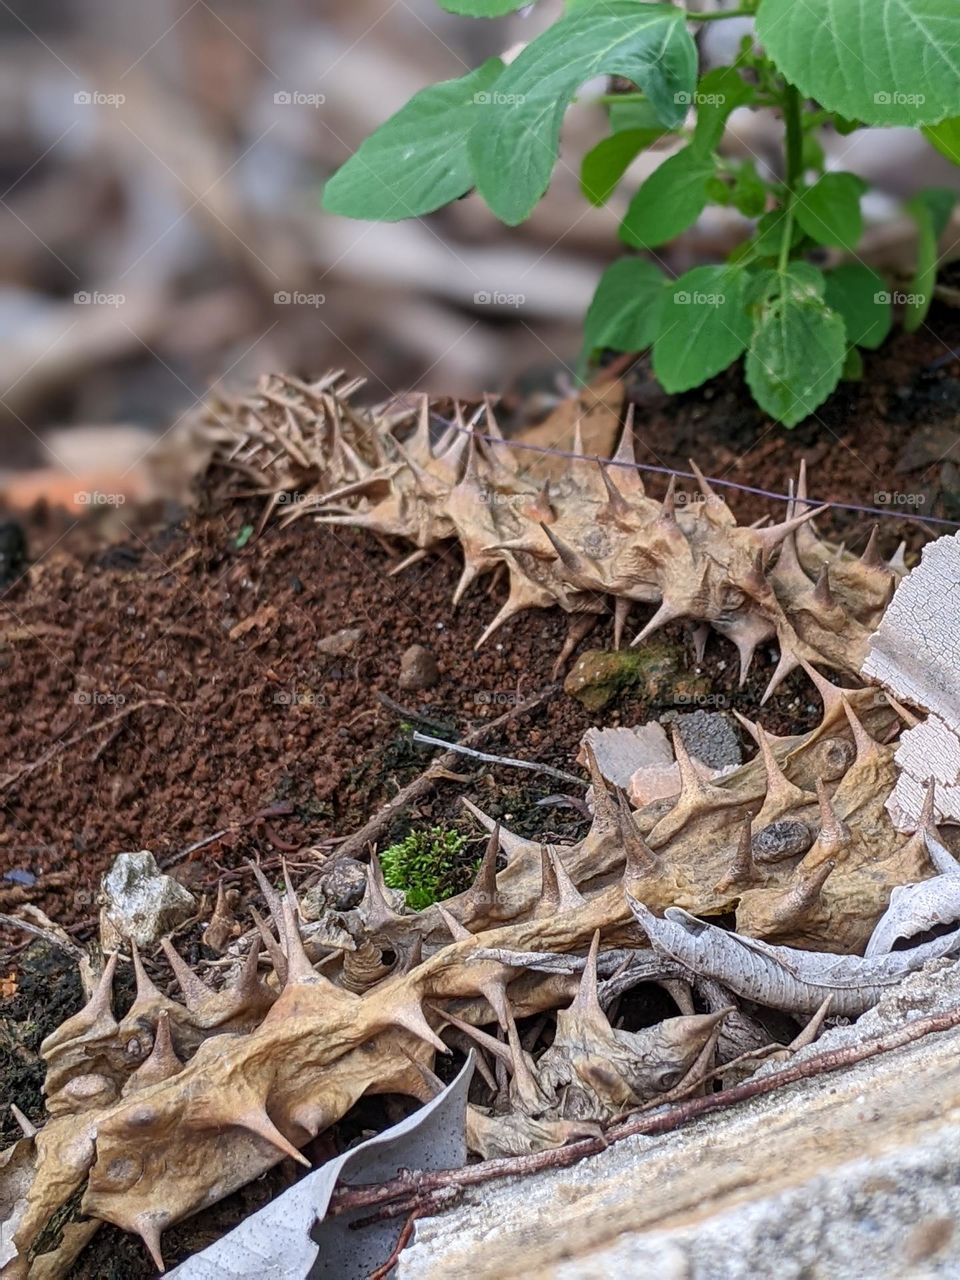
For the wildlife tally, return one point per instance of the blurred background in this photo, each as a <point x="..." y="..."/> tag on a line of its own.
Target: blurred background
<point x="161" y="230"/>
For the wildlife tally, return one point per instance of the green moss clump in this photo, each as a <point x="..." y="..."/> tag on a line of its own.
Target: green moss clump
<point x="426" y="865"/>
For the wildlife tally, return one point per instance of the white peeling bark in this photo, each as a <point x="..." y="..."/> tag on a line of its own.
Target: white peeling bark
<point x="915" y="654"/>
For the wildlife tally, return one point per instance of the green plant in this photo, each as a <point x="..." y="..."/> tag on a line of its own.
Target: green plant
<point x="842" y="64"/>
<point x="425" y="865"/>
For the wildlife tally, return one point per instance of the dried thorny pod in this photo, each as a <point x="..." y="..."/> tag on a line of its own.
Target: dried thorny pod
<point x="225" y="1083"/>
<point x="589" y="542"/>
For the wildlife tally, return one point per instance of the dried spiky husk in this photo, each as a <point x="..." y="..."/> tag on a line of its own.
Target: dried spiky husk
<point x="587" y="541"/>
<point x="221" y="1088"/>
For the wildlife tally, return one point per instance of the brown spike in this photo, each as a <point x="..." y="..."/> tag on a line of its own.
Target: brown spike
<point x="570" y="895"/>
<point x="162" y="1063"/>
<point x="771" y="537"/>
<point x="195" y="990"/>
<point x="834" y="834"/>
<point x="781" y="795"/>
<point x="410" y="1017"/>
<point x="822" y="595"/>
<point x="27" y="1127"/>
<point x="639" y="858"/>
<point x="274" y="950"/>
<point x="701" y="634"/>
<point x="96" y="1014"/>
<point x="871" y="558"/>
<point x="570" y="557"/>
<point x="149" y="1233"/>
<point x="743" y="870"/>
<point x="482" y="1038"/>
<point x="617" y="506"/>
<point x="604" y="807"/>
<point x="898" y="561"/>
<point x="549" y="901"/>
<point x="788" y="662"/>
<point x="299" y="969"/>
<point x="803" y="895"/>
<point x="669" y="505"/>
<point x="867" y="749"/>
<point x="248" y="980"/>
<point x="270" y="897"/>
<point x="257" y="1121"/>
<point x="703" y="484"/>
<point x="831" y="694"/>
<point x="625" y="459"/>
<point x="586" y="1003"/>
<point x="667" y="612"/>
<point x="147" y="991"/>
<point x="512" y="845"/>
<point x="458" y="932"/>
<point x="377" y="910"/>
<point x="621" y="611"/>
<point x="483" y="891"/>
<point x="409" y="561"/>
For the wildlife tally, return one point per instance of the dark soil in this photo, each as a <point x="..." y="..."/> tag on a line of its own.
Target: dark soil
<point x="248" y="726"/>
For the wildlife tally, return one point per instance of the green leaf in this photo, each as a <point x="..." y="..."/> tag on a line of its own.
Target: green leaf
<point x="704" y="326"/>
<point x="749" y="192"/>
<point x="769" y="234"/>
<point x="514" y="148"/>
<point x="633" y="115"/>
<point x="879" y="61"/>
<point x="945" y="136"/>
<point x="625" y="312"/>
<point x="417" y="160"/>
<point x="719" y="92"/>
<point x="482" y="8"/>
<point x="670" y="200"/>
<point x="829" y="211"/>
<point x="852" y="366"/>
<point x="863" y="299"/>
<point x="798" y="346"/>
<point x="605" y="165"/>
<point x="931" y="211"/>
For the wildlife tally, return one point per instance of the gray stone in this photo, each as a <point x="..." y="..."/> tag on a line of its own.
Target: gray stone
<point x="341" y="644"/>
<point x="708" y="735"/>
<point x="139" y="902"/>
<point x="418" y="668"/>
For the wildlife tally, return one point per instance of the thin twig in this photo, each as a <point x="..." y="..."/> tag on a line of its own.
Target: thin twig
<point x="26" y="770"/>
<point x="380" y="1273"/>
<point x="419" y="787"/>
<point x="407" y="713"/>
<point x="64" y="944"/>
<point x="533" y="765"/>
<point x="411" y="1182"/>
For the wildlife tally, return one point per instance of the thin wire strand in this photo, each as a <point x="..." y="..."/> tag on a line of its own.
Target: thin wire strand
<point x="688" y="475"/>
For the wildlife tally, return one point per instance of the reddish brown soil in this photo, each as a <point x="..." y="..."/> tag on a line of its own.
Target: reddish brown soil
<point x="248" y="726"/>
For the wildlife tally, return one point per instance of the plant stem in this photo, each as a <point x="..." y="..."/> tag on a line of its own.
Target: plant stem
<point x="747" y="11"/>
<point x="794" y="148"/>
